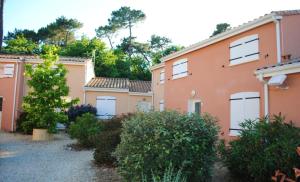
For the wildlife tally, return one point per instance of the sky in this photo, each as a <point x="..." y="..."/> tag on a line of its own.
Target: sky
<point x="185" y="22"/>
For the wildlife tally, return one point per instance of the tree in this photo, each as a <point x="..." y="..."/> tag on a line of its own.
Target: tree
<point x="28" y="34"/>
<point x="108" y="32"/>
<point x="60" y="32"/>
<point x="45" y="103"/>
<point x="20" y="45"/>
<point x="126" y="18"/>
<point x="158" y="42"/>
<point x="1" y="22"/>
<point x="220" y="28"/>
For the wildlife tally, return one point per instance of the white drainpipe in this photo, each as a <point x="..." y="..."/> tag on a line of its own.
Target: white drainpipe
<point x="266" y="99"/>
<point x="278" y="39"/>
<point x="15" y="95"/>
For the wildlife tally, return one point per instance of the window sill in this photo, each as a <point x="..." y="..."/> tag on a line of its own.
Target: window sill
<point x="232" y="63"/>
<point x="179" y="77"/>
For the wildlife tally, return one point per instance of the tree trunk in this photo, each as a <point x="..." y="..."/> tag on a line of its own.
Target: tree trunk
<point x="110" y="42"/>
<point x="1" y="23"/>
<point x="130" y="37"/>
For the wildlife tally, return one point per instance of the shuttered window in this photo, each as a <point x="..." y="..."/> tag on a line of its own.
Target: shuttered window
<point x="161" y="105"/>
<point x="162" y="77"/>
<point x="7" y="70"/>
<point x="243" y="106"/>
<point x="244" y="50"/>
<point x="180" y="69"/>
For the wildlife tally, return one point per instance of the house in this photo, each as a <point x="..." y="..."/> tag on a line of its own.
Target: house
<point x="82" y="84"/>
<point x="13" y="83"/>
<point x="247" y="72"/>
<point x="117" y="96"/>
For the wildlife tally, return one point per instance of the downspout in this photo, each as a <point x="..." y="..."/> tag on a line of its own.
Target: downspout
<point x="15" y="95"/>
<point x="266" y="99"/>
<point x="278" y="38"/>
<point x="152" y="89"/>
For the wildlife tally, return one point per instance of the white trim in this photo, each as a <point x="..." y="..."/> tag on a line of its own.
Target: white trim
<point x="266" y="99"/>
<point x="15" y="95"/>
<point x="278" y="39"/>
<point x="38" y="61"/>
<point x="140" y="94"/>
<point x="279" y="70"/>
<point x="235" y="31"/>
<point x="9" y="60"/>
<point x="105" y="89"/>
<point x="1" y="112"/>
<point x="241" y="62"/>
<point x="160" y="65"/>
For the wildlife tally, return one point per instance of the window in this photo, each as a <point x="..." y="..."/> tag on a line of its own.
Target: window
<point x="161" y="105"/>
<point x="194" y="106"/>
<point x="7" y="70"/>
<point x="243" y="106"/>
<point x="162" y="76"/>
<point x="180" y="69"/>
<point x="244" y="50"/>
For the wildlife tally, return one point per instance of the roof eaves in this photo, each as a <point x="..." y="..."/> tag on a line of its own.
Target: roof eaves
<point x="234" y="31"/>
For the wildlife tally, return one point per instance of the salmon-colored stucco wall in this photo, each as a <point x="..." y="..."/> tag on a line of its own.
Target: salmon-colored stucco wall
<point x="134" y="99"/>
<point x="290" y="28"/>
<point x="286" y="100"/>
<point x="157" y="87"/>
<point x="122" y="100"/>
<point x="214" y="80"/>
<point x="125" y="103"/>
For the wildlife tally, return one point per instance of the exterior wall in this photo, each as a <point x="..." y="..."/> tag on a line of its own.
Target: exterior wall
<point x="122" y="100"/>
<point x="133" y="101"/>
<point x="158" y="88"/>
<point x="213" y="80"/>
<point x="290" y="28"/>
<point x="7" y="92"/>
<point x="286" y="101"/>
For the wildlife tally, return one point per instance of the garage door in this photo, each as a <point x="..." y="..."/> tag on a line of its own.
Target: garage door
<point x="106" y="107"/>
<point x="243" y="106"/>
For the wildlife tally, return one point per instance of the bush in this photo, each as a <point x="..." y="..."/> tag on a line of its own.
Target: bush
<point x="151" y="141"/>
<point x="108" y="139"/>
<point x="76" y="111"/>
<point x="169" y="176"/>
<point x="262" y="148"/>
<point x="24" y="125"/>
<point x="85" y="129"/>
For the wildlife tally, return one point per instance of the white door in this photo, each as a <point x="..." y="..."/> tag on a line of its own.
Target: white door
<point x="243" y="106"/>
<point x="106" y="107"/>
<point x="1" y="101"/>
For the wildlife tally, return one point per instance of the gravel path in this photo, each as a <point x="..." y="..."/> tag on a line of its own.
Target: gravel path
<point x="24" y="160"/>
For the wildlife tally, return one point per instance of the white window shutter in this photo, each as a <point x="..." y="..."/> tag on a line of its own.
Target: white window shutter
<point x="162" y="76"/>
<point x="161" y="105"/>
<point x="8" y="70"/>
<point x="180" y="69"/>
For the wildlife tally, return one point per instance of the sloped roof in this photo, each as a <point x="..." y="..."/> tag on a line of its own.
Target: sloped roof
<point x="36" y="57"/>
<point x="289" y="62"/>
<point x="120" y="83"/>
<point x="267" y="18"/>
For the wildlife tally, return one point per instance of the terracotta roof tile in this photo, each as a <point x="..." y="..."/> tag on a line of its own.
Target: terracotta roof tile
<point x="30" y="57"/>
<point x="120" y="83"/>
<point x="287" y="12"/>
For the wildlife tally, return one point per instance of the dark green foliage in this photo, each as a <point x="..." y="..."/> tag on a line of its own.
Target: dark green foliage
<point x="169" y="175"/>
<point x="151" y="141"/>
<point x="76" y="111"/>
<point x="85" y="129"/>
<point x="24" y="125"/>
<point x="30" y="35"/>
<point x="220" y="28"/>
<point x="20" y="45"/>
<point x="108" y="139"/>
<point x="262" y="148"/>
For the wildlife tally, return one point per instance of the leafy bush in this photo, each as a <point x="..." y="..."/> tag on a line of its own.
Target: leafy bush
<point x="23" y="125"/>
<point x="151" y="141"/>
<point x="75" y="111"/>
<point x="169" y="176"/>
<point x="108" y="139"/>
<point x="85" y="129"/>
<point x="262" y="148"/>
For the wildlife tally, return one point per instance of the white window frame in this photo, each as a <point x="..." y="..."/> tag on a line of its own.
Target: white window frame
<point x="244" y="44"/>
<point x="242" y="97"/>
<point x="181" y="74"/>
<point x="8" y="68"/>
<point x="161" y="105"/>
<point x="191" y="105"/>
<point x="162" y="76"/>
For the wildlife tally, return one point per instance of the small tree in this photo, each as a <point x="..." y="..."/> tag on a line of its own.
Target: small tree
<point x="45" y="101"/>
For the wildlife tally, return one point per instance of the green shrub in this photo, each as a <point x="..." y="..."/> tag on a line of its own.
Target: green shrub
<point x="78" y="110"/>
<point x="24" y="125"/>
<point x="151" y="141"/>
<point x="108" y="139"/>
<point x="169" y="176"/>
<point x="85" y="129"/>
<point x="262" y="148"/>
